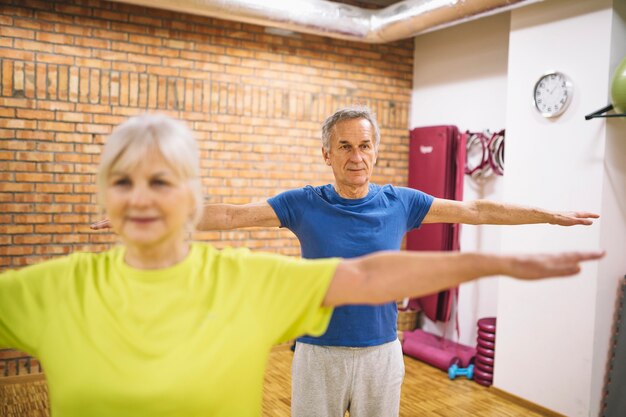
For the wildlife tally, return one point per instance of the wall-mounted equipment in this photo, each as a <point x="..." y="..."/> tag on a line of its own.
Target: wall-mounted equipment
<point x="484" y="155"/>
<point x="618" y="95"/>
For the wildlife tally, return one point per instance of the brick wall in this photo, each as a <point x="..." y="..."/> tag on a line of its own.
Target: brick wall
<point x="71" y="70"/>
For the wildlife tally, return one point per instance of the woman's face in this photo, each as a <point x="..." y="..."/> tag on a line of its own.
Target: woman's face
<point x="148" y="205"/>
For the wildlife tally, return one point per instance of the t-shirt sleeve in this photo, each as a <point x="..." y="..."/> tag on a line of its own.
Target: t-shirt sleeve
<point x="289" y="207"/>
<point x="288" y="294"/>
<point x="25" y="297"/>
<point x="417" y="204"/>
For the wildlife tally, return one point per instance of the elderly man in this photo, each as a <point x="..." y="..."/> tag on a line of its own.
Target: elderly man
<point x="357" y="365"/>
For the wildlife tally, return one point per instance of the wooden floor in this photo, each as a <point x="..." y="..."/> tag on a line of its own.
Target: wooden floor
<point x="426" y="391"/>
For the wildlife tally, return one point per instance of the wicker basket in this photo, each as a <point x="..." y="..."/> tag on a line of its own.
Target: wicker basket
<point x="407" y="319"/>
<point x="23" y="388"/>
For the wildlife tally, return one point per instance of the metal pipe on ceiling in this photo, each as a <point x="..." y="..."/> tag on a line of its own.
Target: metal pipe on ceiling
<point x="401" y="20"/>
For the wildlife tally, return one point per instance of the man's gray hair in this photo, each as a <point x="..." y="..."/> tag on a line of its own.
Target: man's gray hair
<point x="349" y="113"/>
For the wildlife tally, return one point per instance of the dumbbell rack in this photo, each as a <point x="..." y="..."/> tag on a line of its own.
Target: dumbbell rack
<point x="485" y="351"/>
<point x="613" y="404"/>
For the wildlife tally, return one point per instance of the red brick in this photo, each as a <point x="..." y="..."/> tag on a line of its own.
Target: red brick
<point x="55" y="105"/>
<point x="109" y="15"/>
<point x="16" y="250"/>
<point x="35" y="114"/>
<point x="18" y="124"/>
<point x="32" y="240"/>
<point x="52" y="228"/>
<point x="127" y="47"/>
<point x="53" y="188"/>
<point x="11" y="32"/>
<point x="32" y="218"/>
<point x="11" y="229"/>
<point x="52" y="249"/>
<point x="72" y="238"/>
<point x="33" y="198"/>
<point x="110" y="34"/>
<point x="59" y="38"/>
<point x="71" y="29"/>
<point x="57" y="126"/>
<point x="71" y="218"/>
<point x="76" y="117"/>
<point x="55" y="208"/>
<point x="33" y="177"/>
<point x="92" y="43"/>
<point x="92" y="63"/>
<point x="72" y="198"/>
<point x="55" y="59"/>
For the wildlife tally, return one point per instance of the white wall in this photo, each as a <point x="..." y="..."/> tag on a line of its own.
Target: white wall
<point x="613" y="230"/>
<point x="460" y="79"/>
<point x="552" y="337"/>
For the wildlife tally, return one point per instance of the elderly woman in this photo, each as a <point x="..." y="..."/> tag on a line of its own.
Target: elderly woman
<point x="163" y="327"/>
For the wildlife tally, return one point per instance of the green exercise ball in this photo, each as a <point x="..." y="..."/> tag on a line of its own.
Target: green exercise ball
<point x="618" y="88"/>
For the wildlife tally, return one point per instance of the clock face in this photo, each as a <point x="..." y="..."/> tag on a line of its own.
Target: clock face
<point x="552" y="94"/>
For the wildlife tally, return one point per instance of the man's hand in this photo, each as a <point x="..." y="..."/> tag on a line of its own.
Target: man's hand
<point x="101" y="224"/>
<point x="572" y="218"/>
<point x="550" y="265"/>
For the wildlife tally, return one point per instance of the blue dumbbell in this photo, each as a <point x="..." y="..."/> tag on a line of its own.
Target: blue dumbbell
<point x="455" y="371"/>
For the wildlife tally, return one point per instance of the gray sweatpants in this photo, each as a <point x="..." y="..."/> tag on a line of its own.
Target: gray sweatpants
<point x="328" y="380"/>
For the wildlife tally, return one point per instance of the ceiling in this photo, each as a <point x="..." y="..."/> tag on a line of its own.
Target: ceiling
<point x="374" y="4"/>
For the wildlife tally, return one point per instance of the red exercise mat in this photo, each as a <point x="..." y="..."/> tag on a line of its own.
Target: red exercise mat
<point x="436" y="351"/>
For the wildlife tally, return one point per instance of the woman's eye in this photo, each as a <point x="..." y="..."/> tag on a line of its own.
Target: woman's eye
<point x="121" y="182"/>
<point x="159" y="183"/>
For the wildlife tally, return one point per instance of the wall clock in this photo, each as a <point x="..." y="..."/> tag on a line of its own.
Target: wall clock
<point x="552" y="94"/>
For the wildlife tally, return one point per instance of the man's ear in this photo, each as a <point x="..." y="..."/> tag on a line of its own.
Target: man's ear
<point x="326" y="156"/>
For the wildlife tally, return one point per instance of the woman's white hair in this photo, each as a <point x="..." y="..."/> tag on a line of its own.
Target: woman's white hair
<point x="132" y="140"/>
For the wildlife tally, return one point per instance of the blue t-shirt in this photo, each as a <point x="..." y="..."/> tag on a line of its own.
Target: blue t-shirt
<point x="328" y="225"/>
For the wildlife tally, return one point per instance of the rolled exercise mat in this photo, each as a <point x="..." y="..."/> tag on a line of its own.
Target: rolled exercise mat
<point x="487" y="324"/>
<point x="490" y="337"/>
<point x="489" y="353"/>
<point x="436" y="351"/>
<point x="484" y="360"/>
<point x="485" y="343"/>
<point x="482" y="366"/>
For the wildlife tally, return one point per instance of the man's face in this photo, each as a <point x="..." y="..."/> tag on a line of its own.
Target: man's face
<point x="352" y="153"/>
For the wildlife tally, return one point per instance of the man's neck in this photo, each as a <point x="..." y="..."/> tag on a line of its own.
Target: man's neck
<point x="352" y="192"/>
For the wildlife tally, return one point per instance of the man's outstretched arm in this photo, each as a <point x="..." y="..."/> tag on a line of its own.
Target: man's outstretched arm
<point x="227" y="217"/>
<point x="492" y="212"/>
<point x="235" y="216"/>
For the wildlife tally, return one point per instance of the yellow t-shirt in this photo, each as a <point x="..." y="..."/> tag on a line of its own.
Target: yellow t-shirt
<point x="185" y="341"/>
